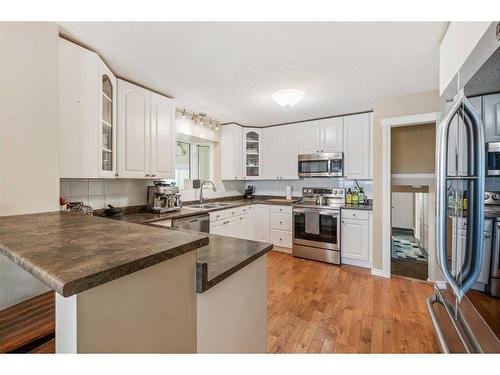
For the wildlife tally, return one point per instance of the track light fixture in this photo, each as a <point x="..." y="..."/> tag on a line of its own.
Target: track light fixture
<point x="198" y="117"/>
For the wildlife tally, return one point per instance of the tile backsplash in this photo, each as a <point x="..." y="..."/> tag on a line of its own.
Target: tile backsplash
<point x="278" y="187"/>
<point x="100" y="193"/>
<point x="120" y="193"/>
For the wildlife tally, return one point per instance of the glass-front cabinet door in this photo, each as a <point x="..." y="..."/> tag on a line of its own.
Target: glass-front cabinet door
<point x="107" y="151"/>
<point x="252" y="139"/>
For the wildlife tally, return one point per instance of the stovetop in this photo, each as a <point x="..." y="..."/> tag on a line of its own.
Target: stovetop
<point x="318" y="206"/>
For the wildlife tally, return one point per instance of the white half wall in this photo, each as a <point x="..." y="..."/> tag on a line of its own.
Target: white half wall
<point x="29" y="180"/>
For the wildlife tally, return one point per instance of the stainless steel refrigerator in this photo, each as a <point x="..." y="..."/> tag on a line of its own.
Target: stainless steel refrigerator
<point x="466" y="316"/>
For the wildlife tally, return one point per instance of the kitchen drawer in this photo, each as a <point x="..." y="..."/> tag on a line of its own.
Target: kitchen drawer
<point x="355" y="214"/>
<point x="245" y="209"/>
<point x="281" y="221"/>
<point x="219" y="215"/>
<point x="281" y="209"/>
<point x="281" y="237"/>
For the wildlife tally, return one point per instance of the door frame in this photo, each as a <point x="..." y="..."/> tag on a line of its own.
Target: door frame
<point x="424" y="179"/>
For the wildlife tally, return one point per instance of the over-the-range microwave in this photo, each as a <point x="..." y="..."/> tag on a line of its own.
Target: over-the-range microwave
<point x="321" y="165"/>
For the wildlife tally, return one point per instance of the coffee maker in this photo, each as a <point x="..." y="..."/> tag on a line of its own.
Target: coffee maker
<point x="163" y="198"/>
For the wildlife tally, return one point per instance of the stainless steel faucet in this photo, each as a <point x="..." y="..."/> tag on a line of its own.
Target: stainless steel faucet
<point x="201" y="189"/>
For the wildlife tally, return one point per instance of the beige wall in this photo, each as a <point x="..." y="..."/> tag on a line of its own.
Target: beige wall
<point x="385" y="108"/>
<point x="413" y="149"/>
<point x="29" y="180"/>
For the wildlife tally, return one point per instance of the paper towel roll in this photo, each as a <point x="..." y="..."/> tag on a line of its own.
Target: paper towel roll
<point x="288" y="192"/>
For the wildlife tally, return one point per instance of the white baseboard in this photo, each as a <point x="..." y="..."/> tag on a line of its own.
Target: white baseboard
<point x="282" y="249"/>
<point x="440" y="284"/>
<point x="377" y="272"/>
<point x="356" y="262"/>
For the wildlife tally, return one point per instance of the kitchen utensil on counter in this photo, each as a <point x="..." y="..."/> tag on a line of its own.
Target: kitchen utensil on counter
<point x="249" y="192"/>
<point x="80" y="208"/>
<point x="112" y="210"/>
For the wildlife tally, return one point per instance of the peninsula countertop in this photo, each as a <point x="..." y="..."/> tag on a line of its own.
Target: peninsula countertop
<point x="72" y="253"/>
<point x="221" y="258"/>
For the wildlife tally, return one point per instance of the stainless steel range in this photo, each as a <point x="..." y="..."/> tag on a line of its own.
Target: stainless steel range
<point x="316" y="224"/>
<point x="492" y="211"/>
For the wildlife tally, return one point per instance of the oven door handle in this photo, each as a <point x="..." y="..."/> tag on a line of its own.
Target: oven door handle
<point x="300" y="211"/>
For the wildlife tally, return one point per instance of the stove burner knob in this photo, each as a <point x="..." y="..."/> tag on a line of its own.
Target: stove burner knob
<point x="495" y="197"/>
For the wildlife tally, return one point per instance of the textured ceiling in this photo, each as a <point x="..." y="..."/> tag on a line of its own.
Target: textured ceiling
<point x="229" y="70"/>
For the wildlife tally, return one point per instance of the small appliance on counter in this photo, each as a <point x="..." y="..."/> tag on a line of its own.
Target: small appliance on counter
<point x="249" y="191"/>
<point x="163" y="197"/>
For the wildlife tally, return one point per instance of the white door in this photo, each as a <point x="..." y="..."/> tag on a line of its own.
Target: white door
<point x="252" y="153"/>
<point x="244" y="227"/>
<point x="289" y="152"/>
<point x="310" y="136"/>
<point x="261" y="218"/>
<point x="79" y="120"/>
<point x="218" y="227"/>
<point x="133" y="130"/>
<point x="231" y="152"/>
<point x="355" y="239"/>
<point x="332" y="135"/>
<point x="271" y="153"/>
<point x="403" y="210"/>
<point x="233" y="227"/>
<point x="162" y="137"/>
<point x="107" y="123"/>
<point x="357" y="147"/>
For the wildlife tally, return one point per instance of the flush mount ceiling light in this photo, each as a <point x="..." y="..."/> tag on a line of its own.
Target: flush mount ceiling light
<point x="288" y="97"/>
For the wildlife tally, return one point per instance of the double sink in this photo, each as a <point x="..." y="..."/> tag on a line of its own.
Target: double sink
<point x="209" y="206"/>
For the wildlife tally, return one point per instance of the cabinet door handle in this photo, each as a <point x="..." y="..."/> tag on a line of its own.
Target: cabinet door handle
<point x="147" y="175"/>
<point x="321" y="150"/>
<point x="153" y="175"/>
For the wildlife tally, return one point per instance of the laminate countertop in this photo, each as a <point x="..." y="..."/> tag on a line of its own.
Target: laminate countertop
<point x="144" y="217"/>
<point x="72" y="253"/>
<point x="367" y="207"/>
<point x="221" y="258"/>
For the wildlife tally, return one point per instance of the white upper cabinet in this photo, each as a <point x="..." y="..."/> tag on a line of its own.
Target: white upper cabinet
<point x="280" y="152"/>
<point x="87" y="92"/>
<point x="321" y="135"/>
<point x="107" y="109"/>
<point x="358" y="146"/>
<point x="162" y="137"/>
<point x="310" y="137"/>
<point x="456" y="46"/>
<point x="231" y="152"/>
<point x="332" y="131"/>
<point x="252" y="153"/>
<point x="289" y="138"/>
<point x="271" y="153"/>
<point x="146" y="133"/>
<point x="134" y="104"/>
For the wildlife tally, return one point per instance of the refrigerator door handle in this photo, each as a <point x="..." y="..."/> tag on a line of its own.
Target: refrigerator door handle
<point x="472" y="266"/>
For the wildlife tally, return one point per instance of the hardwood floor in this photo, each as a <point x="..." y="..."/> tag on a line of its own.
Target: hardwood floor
<point x="315" y="307"/>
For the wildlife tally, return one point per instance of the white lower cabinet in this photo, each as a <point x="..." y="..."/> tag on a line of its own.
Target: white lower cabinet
<point x="355" y="238"/>
<point x="280" y="223"/>
<point x="261" y="222"/>
<point x="281" y="238"/>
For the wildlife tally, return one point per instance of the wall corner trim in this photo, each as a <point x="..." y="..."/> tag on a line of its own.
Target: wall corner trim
<point x="378" y="272"/>
<point x="419" y="119"/>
